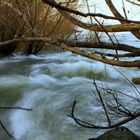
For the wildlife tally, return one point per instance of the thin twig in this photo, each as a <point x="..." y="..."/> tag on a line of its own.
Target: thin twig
<point x="102" y="102"/>
<point x="90" y="125"/>
<point x="7" y="132"/>
<point x="21" y="108"/>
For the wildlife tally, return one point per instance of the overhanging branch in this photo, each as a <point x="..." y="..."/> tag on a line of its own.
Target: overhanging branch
<point x="69" y="47"/>
<point x="76" y="12"/>
<point x="118" y="15"/>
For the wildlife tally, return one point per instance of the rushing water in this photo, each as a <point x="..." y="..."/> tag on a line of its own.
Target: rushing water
<point x="49" y="84"/>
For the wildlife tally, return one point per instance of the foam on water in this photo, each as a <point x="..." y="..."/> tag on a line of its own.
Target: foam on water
<point x="49" y="120"/>
<point x="13" y="80"/>
<point x="42" y="79"/>
<point x="51" y="83"/>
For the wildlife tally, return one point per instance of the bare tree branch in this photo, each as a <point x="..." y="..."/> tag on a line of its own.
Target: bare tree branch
<point x="102" y="102"/>
<point x="5" y="129"/>
<point x="61" y="44"/>
<point x="90" y="125"/>
<point x="109" y="28"/>
<point x="79" y="44"/>
<point x="132" y="2"/>
<point x="63" y="8"/>
<point x="118" y="15"/>
<point x="2" y="125"/>
<point x="21" y="108"/>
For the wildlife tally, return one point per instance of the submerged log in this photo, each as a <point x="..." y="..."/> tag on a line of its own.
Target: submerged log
<point x="119" y="133"/>
<point x="136" y="80"/>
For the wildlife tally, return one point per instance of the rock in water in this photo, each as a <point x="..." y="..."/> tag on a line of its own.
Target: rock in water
<point x="119" y="133"/>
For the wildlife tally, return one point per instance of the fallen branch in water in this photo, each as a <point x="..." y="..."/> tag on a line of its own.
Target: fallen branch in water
<point x="3" y="126"/>
<point x="21" y="108"/>
<point x="5" y="129"/>
<point x="85" y="124"/>
<point x="111" y="108"/>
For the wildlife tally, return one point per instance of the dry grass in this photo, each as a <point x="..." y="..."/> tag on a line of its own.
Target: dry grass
<point x="24" y="18"/>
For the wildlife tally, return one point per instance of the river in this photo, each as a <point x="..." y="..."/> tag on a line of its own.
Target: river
<point x="49" y="84"/>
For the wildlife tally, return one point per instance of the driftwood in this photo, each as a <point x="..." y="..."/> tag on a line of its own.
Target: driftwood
<point x="136" y="80"/>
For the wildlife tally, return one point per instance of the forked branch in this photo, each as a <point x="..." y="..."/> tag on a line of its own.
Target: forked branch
<point x="115" y="108"/>
<point x="2" y="124"/>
